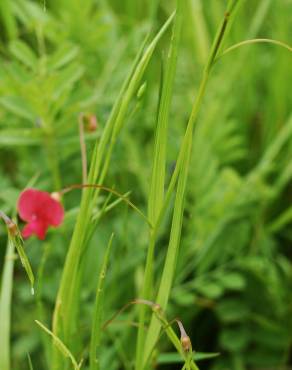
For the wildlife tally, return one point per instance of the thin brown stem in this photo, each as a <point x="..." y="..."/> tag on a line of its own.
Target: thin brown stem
<point x="96" y="186"/>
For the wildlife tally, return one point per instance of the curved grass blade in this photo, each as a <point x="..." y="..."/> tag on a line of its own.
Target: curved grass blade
<point x="60" y="345"/>
<point x="111" y="191"/>
<point x="255" y="41"/>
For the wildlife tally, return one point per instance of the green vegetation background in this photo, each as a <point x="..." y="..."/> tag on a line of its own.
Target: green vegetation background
<point x="233" y="280"/>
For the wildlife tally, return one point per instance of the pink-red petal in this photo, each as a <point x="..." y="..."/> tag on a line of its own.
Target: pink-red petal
<point x="37" y="228"/>
<point x="54" y="212"/>
<point x="28" y="203"/>
<point x="34" y="205"/>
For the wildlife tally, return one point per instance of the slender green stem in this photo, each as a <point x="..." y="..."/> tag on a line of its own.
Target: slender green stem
<point x="97" y="315"/>
<point x="8" y="19"/>
<point x="5" y="306"/>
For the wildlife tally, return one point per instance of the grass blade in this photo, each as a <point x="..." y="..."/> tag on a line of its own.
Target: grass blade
<point x="60" y="345"/>
<point x="98" y="308"/>
<point x="181" y="172"/>
<point x="15" y="238"/>
<point x="170" y="262"/>
<point x="133" y="85"/>
<point x="64" y="315"/>
<point x="29" y="362"/>
<point x="19" y="245"/>
<point x="8" y="19"/>
<point x="256" y="41"/>
<point x="200" y="31"/>
<point x="5" y="307"/>
<point x="175" y="358"/>
<point x="156" y="195"/>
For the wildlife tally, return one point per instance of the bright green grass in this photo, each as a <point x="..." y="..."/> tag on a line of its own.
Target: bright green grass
<point x="195" y="127"/>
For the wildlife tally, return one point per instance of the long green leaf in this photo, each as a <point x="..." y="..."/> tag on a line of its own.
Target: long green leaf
<point x="181" y="172"/>
<point x="5" y="307"/>
<point x="14" y="236"/>
<point x="156" y="195"/>
<point x="65" y="309"/>
<point x="98" y="309"/>
<point x="60" y="345"/>
<point x="8" y="19"/>
<point x="19" y="245"/>
<point x="29" y="362"/>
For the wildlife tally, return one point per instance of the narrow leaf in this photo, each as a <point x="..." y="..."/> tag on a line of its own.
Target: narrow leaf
<point x="60" y="345"/>
<point x="23" y="53"/>
<point x="5" y="307"/>
<point x="19" y="245"/>
<point x="98" y="309"/>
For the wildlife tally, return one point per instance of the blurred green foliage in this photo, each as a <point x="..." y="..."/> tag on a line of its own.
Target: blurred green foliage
<point x="234" y="276"/>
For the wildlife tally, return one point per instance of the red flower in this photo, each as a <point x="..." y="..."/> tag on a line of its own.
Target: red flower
<point x="40" y="211"/>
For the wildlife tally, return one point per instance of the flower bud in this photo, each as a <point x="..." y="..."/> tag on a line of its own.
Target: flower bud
<point x="184" y="338"/>
<point x="56" y="195"/>
<point x="90" y="122"/>
<point x="186" y="343"/>
<point x="12" y="228"/>
<point x="156" y="307"/>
